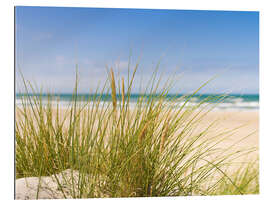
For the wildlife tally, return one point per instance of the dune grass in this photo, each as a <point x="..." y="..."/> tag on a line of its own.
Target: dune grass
<point x="152" y="149"/>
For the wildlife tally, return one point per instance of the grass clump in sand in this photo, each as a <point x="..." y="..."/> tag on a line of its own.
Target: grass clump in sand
<point x="152" y="149"/>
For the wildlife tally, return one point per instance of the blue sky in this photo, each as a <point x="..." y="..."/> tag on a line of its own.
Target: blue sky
<point x="193" y="46"/>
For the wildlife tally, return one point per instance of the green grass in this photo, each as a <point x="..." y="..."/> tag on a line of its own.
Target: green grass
<point x="119" y="151"/>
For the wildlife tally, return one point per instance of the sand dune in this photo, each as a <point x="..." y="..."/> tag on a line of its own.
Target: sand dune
<point x="244" y="123"/>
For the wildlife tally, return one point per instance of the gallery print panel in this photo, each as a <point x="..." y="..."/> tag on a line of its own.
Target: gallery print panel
<point x="135" y="102"/>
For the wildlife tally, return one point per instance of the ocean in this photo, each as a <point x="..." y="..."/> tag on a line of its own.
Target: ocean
<point x="232" y="102"/>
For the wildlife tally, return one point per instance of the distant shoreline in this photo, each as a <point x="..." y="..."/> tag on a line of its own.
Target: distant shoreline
<point x="233" y="102"/>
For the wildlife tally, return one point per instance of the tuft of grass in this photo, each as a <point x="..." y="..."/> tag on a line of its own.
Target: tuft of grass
<point x="152" y="149"/>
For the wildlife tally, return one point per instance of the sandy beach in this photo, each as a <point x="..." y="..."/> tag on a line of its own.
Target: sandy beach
<point x="247" y="121"/>
<point x="245" y="126"/>
<point x="241" y="123"/>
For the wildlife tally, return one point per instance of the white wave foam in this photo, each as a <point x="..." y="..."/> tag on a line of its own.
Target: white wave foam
<point x="238" y="104"/>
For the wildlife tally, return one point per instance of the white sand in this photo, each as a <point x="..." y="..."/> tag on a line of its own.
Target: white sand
<point x="27" y="188"/>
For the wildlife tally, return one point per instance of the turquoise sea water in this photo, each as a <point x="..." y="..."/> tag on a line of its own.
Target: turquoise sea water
<point x="241" y="102"/>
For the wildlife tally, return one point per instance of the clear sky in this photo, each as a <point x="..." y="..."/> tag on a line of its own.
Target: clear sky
<point x="193" y="46"/>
